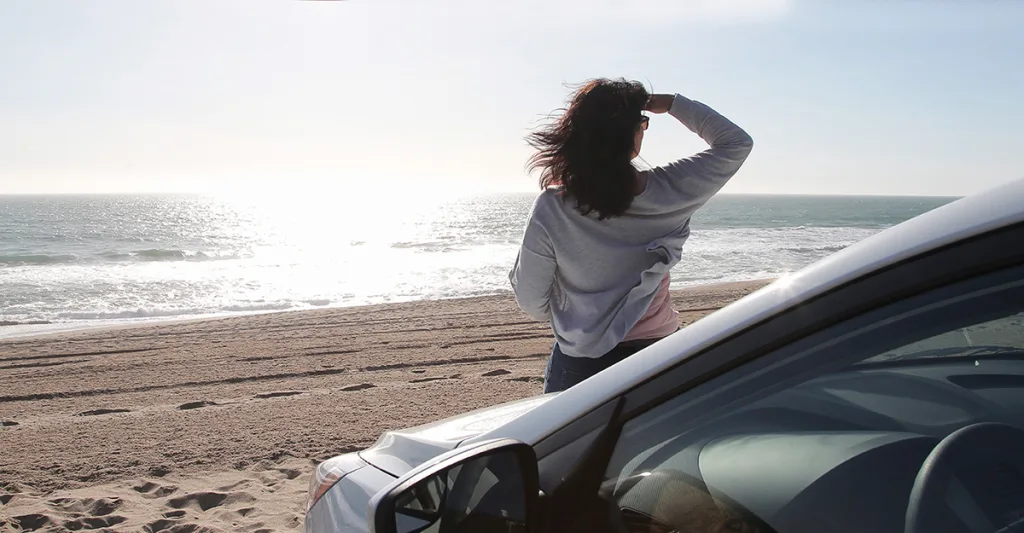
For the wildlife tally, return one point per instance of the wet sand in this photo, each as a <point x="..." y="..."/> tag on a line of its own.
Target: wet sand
<point x="215" y="425"/>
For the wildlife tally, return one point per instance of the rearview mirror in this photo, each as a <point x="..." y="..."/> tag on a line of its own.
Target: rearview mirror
<point x="487" y="487"/>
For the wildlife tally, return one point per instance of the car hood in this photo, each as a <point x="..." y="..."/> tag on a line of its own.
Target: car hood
<point x="397" y="452"/>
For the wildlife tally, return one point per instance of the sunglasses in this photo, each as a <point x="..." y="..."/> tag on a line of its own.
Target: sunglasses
<point x="644" y="121"/>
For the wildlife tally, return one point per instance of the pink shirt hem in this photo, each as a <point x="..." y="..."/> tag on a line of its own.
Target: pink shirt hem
<point x="661" y="320"/>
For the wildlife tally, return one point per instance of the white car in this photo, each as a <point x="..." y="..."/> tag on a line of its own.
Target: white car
<point x="880" y="390"/>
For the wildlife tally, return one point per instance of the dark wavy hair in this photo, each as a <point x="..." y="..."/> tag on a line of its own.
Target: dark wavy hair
<point x="588" y="149"/>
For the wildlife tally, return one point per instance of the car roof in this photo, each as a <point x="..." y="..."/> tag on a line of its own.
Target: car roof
<point x="962" y="219"/>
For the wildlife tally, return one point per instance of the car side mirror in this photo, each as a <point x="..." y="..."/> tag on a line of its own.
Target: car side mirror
<point x="491" y="486"/>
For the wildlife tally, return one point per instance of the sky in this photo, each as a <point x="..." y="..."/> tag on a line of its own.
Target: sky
<point x="378" y="97"/>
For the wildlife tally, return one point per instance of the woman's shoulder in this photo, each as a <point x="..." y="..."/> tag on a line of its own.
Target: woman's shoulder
<point x="549" y="199"/>
<point x="552" y="192"/>
<point x="656" y="192"/>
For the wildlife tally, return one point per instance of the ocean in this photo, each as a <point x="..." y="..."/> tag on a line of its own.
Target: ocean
<point x="78" y="261"/>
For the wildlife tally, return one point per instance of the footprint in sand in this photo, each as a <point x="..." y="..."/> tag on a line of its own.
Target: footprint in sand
<point x="424" y="380"/>
<point x="242" y="484"/>
<point x="289" y="473"/>
<point x="277" y="394"/>
<point x="361" y="386"/>
<point x="152" y="490"/>
<point x="88" y="506"/>
<point x="498" y="372"/>
<point x="93" y="522"/>
<point x="196" y="405"/>
<point x="159" y="470"/>
<point x="31" y="522"/>
<point x="158" y="525"/>
<point x="96" y="412"/>
<point x="103" y="506"/>
<point x="192" y="528"/>
<point x="204" y="501"/>
<point x="527" y="379"/>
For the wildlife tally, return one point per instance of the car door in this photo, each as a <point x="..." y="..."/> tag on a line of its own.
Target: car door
<point x="830" y="429"/>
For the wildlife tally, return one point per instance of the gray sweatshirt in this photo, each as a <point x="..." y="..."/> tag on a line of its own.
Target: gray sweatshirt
<point x="594" y="279"/>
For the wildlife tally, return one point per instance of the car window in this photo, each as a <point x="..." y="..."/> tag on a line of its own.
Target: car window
<point x="831" y="432"/>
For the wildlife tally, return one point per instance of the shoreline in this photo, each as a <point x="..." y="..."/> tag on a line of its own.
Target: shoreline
<point x="33" y="329"/>
<point x="216" y="424"/>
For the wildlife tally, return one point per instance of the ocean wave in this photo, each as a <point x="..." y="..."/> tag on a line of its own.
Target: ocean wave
<point x="243" y="308"/>
<point x="827" y="248"/>
<point x="24" y="323"/>
<point x="171" y="312"/>
<point x="129" y="313"/>
<point x="425" y="246"/>
<point x="152" y="254"/>
<point x="765" y="253"/>
<point x="36" y="259"/>
<point x="160" y="254"/>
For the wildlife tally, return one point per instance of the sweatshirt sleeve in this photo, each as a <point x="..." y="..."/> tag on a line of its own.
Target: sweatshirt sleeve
<point x="690" y="182"/>
<point x="533" y="274"/>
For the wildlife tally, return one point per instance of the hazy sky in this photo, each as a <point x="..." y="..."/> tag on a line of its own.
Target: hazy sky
<point x="374" y="96"/>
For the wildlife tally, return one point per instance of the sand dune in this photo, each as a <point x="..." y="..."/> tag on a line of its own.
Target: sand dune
<point x="215" y="425"/>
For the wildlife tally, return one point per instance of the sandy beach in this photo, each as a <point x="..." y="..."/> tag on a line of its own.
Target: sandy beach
<point x="215" y="425"/>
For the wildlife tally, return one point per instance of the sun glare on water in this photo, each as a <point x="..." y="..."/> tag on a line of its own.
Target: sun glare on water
<point x="328" y="243"/>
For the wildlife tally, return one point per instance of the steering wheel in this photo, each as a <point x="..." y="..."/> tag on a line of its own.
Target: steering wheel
<point x="986" y="439"/>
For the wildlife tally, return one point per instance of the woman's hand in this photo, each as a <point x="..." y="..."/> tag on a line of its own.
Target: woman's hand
<point x="659" y="103"/>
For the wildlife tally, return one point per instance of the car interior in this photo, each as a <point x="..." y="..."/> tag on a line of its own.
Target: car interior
<point x="878" y="445"/>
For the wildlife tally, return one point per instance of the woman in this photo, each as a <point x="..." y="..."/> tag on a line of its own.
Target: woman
<point x="603" y="235"/>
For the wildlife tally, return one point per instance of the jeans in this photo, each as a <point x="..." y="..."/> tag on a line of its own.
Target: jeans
<point x="564" y="371"/>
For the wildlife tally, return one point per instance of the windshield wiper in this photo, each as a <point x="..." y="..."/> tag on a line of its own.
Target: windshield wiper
<point x="992" y="350"/>
<point x="954" y="352"/>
